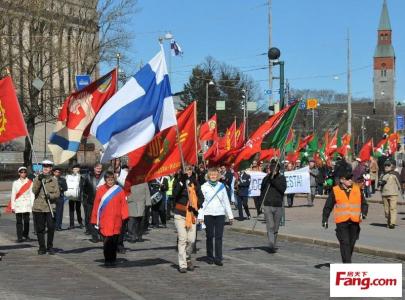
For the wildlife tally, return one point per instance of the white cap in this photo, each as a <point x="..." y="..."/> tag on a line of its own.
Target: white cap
<point x="21" y="168"/>
<point x="47" y="162"/>
<point x="358" y="159"/>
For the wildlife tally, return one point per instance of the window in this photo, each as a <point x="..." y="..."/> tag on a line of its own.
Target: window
<point x="383" y="70"/>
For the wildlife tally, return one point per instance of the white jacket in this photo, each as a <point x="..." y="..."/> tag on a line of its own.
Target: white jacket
<point x="24" y="203"/>
<point x="73" y="185"/>
<point x="217" y="205"/>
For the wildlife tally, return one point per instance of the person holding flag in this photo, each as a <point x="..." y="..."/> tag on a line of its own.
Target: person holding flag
<point x="22" y="199"/>
<point x="46" y="189"/>
<point x="188" y="198"/>
<point x="110" y="210"/>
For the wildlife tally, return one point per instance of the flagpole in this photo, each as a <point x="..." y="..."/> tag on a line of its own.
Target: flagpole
<point x="195" y="132"/>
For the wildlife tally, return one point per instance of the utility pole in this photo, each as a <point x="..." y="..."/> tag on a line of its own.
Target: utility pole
<point x="349" y="86"/>
<point x="270" y="19"/>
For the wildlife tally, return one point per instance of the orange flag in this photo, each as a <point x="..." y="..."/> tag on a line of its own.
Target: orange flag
<point x="208" y="130"/>
<point x="12" y="124"/>
<point x="162" y="155"/>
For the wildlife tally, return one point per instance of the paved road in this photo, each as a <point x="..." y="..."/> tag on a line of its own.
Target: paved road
<point x="148" y="270"/>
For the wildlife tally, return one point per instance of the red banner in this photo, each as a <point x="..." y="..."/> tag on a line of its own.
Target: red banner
<point x="12" y="124"/>
<point x="162" y="155"/>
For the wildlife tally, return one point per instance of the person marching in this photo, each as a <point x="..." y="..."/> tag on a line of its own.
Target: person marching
<point x="187" y="196"/>
<point x="110" y="210"/>
<point x="390" y="191"/>
<point x="272" y="192"/>
<point x="60" y="203"/>
<point x="91" y="182"/>
<point x="22" y="199"/>
<point x="243" y="184"/>
<point x="350" y="207"/>
<point x="137" y="200"/>
<point x="215" y="207"/>
<point x="74" y="193"/>
<point x="46" y="190"/>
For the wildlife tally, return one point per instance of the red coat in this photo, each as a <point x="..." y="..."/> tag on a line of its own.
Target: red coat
<point x="114" y="213"/>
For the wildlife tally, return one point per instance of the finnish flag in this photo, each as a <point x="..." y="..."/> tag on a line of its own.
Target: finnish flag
<point x="140" y="109"/>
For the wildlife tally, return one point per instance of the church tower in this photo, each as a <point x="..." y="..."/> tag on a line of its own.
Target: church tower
<point x="384" y="70"/>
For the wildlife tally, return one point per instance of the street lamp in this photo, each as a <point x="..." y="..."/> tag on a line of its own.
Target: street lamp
<point x="206" y="98"/>
<point x="274" y="54"/>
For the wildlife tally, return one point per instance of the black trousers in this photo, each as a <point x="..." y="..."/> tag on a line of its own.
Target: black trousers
<point x="44" y="220"/>
<point x="347" y="234"/>
<point x="59" y="211"/>
<point x="135" y="227"/>
<point x="23" y="229"/>
<point x="159" y="210"/>
<point x="290" y="200"/>
<point x="75" y="205"/>
<point x="121" y="238"/>
<point x="110" y="248"/>
<point x="243" y="201"/>
<point x="258" y="203"/>
<point x="147" y="217"/>
<point x="214" y="229"/>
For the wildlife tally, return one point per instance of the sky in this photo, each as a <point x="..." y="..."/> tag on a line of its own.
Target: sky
<point x="311" y="34"/>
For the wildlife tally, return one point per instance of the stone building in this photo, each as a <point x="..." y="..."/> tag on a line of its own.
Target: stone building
<point x="44" y="44"/>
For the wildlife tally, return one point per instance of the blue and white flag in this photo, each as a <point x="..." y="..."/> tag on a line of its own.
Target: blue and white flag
<point x="140" y="109"/>
<point x="176" y="50"/>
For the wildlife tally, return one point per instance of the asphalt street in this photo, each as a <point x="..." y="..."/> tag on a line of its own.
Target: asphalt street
<point x="149" y="270"/>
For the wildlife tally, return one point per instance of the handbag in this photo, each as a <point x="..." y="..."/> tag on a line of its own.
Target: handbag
<point x="156" y="198"/>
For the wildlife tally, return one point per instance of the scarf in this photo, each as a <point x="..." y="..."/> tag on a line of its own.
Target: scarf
<point x="193" y="203"/>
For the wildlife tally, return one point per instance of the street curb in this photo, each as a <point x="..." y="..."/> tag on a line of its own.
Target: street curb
<point x="321" y="242"/>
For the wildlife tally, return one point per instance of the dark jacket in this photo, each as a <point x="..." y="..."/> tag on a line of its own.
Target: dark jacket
<point x="180" y="193"/>
<point x="90" y="188"/>
<point x="331" y="201"/>
<point x="243" y="184"/>
<point x="158" y="186"/>
<point x="275" y="195"/>
<point x="62" y="185"/>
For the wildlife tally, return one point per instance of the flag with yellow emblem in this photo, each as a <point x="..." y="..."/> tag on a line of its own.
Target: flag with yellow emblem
<point x="162" y="155"/>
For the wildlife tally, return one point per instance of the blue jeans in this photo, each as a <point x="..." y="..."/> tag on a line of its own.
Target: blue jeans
<point x="59" y="212"/>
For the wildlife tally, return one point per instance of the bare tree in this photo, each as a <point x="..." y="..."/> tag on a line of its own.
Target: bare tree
<point x="52" y="41"/>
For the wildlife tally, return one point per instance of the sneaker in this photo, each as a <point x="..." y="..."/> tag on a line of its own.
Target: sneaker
<point x="19" y="240"/>
<point x="183" y="270"/>
<point x="248" y="217"/>
<point x="392" y="226"/>
<point x="51" y="251"/>
<point x="28" y="239"/>
<point x="41" y="252"/>
<point x="71" y="227"/>
<point x="121" y="250"/>
<point x="81" y="226"/>
<point x="190" y="266"/>
<point x="218" y="262"/>
<point x="210" y="261"/>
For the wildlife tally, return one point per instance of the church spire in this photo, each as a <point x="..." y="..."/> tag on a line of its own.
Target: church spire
<point x="385" y="23"/>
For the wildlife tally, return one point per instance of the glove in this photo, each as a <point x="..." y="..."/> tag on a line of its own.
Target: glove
<point x="325" y="225"/>
<point x="363" y="216"/>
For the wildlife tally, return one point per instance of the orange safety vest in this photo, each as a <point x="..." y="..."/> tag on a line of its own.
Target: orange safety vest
<point x="347" y="208"/>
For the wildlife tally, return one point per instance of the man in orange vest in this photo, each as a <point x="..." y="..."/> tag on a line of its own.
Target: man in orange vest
<point x="350" y="207"/>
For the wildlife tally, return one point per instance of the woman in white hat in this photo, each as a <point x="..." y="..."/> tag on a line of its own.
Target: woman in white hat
<point x="22" y="199"/>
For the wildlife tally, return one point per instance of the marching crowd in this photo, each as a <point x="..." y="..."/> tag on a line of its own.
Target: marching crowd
<point x="195" y="197"/>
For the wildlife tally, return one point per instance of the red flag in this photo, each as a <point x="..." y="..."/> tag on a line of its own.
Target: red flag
<point x="12" y="124"/>
<point x="293" y="156"/>
<point x="332" y="144"/>
<point x="162" y="155"/>
<point x="268" y="154"/>
<point x="208" y="130"/>
<point x="77" y="115"/>
<point x="275" y="125"/>
<point x="393" y="142"/>
<point x="366" y="151"/>
<point x="304" y="142"/>
<point x="240" y="135"/>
